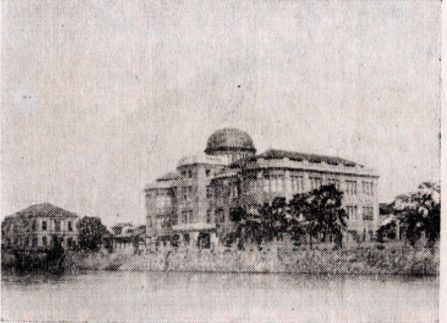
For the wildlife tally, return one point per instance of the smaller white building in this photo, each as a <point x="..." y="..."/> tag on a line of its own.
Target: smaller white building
<point x="38" y="226"/>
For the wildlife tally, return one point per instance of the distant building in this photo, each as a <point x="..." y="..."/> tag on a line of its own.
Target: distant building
<point x="37" y="226"/>
<point x="128" y="238"/>
<point x="121" y="227"/>
<point x="390" y="228"/>
<point x="192" y="205"/>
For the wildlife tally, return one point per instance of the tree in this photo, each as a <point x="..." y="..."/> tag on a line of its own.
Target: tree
<point x="248" y="226"/>
<point x="299" y="220"/>
<point x="386" y="231"/>
<point x="274" y="219"/>
<point x="55" y="255"/>
<point x="334" y="216"/>
<point x="259" y="223"/>
<point x="91" y="232"/>
<point x="319" y="213"/>
<point x="420" y="213"/>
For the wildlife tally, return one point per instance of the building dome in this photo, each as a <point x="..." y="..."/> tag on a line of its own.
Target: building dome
<point x="229" y="140"/>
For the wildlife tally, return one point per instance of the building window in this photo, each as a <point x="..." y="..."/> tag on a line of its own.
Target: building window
<point x="276" y="183"/>
<point x="368" y="213"/>
<point x="208" y="215"/>
<point x="174" y="219"/>
<point x="220" y="215"/>
<point x="44" y="241"/>
<point x="163" y="200"/>
<point x="207" y="172"/>
<point x="218" y="191"/>
<point x="192" y="217"/>
<point x="184" y="217"/>
<point x="368" y="188"/>
<point x="351" y="187"/>
<point x="335" y="182"/>
<point x="70" y="242"/>
<point x="209" y="192"/>
<point x="34" y="225"/>
<point x="190" y="173"/>
<point x="297" y="184"/>
<point x="272" y="181"/>
<point x="315" y="182"/>
<point x="187" y="193"/>
<point x="352" y="211"/>
<point x="34" y="241"/>
<point x="186" y="238"/>
<point x="266" y="185"/>
<point x="251" y="185"/>
<point x="188" y="217"/>
<point x="44" y="225"/>
<point x="234" y="190"/>
<point x="57" y="225"/>
<point x="70" y="226"/>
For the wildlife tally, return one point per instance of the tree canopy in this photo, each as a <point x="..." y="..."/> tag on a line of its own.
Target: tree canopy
<point x="91" y="231"/>
<point x="320" y="213"/>
<point x="420" y="212"/>
<point x="315" y="213"/>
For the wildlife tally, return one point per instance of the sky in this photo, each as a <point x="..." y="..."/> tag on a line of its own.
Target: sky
<point x="101" y="97"/>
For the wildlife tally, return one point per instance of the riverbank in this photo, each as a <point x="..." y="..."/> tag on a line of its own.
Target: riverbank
<point x="362" y="260"/>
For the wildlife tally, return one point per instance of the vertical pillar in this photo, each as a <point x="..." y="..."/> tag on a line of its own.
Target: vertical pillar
<point x="194" y="239"/>
<point x="306" y="181"/>
<point x="287" y="185"/>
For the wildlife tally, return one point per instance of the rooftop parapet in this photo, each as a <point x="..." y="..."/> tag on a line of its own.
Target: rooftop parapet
<point x="296" y="160"/>
<point x="160" y="185"/>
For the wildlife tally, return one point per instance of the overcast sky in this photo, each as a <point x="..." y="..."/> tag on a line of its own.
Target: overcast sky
<point x="100" y="97"/>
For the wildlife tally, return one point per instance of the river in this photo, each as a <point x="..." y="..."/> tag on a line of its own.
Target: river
<point x="155" y="297"/>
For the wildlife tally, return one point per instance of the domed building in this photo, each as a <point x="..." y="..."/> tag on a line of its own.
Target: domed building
<point x="231" y="142"/>
<point x="191" y="206"/>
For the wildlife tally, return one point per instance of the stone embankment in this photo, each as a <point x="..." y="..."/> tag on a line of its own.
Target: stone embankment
<point x="391" y="261"/>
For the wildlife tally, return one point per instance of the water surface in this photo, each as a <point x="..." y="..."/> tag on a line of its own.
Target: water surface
<point x="137" y="296"/>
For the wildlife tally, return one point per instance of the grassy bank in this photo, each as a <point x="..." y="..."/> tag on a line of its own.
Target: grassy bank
<point x="367" y="260"/>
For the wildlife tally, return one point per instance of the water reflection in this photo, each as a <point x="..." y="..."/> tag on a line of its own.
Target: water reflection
<point x="141" y="296"/>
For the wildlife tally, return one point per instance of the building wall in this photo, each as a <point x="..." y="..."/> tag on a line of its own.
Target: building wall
<point x="201" y="198"/>
<point x="189" y="203"/>
<point x="37" y="232"/>
<point x="260" y="186"/>
<point x="160" y="207"/>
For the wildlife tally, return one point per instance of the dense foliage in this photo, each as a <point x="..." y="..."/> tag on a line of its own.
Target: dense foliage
<point x="419" y="213"/>
<point x="91" y="233"/>
<point x="316" y="214"/>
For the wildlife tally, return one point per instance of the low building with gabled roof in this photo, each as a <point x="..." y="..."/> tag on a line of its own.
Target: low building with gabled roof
<point x="36" y="227"/>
